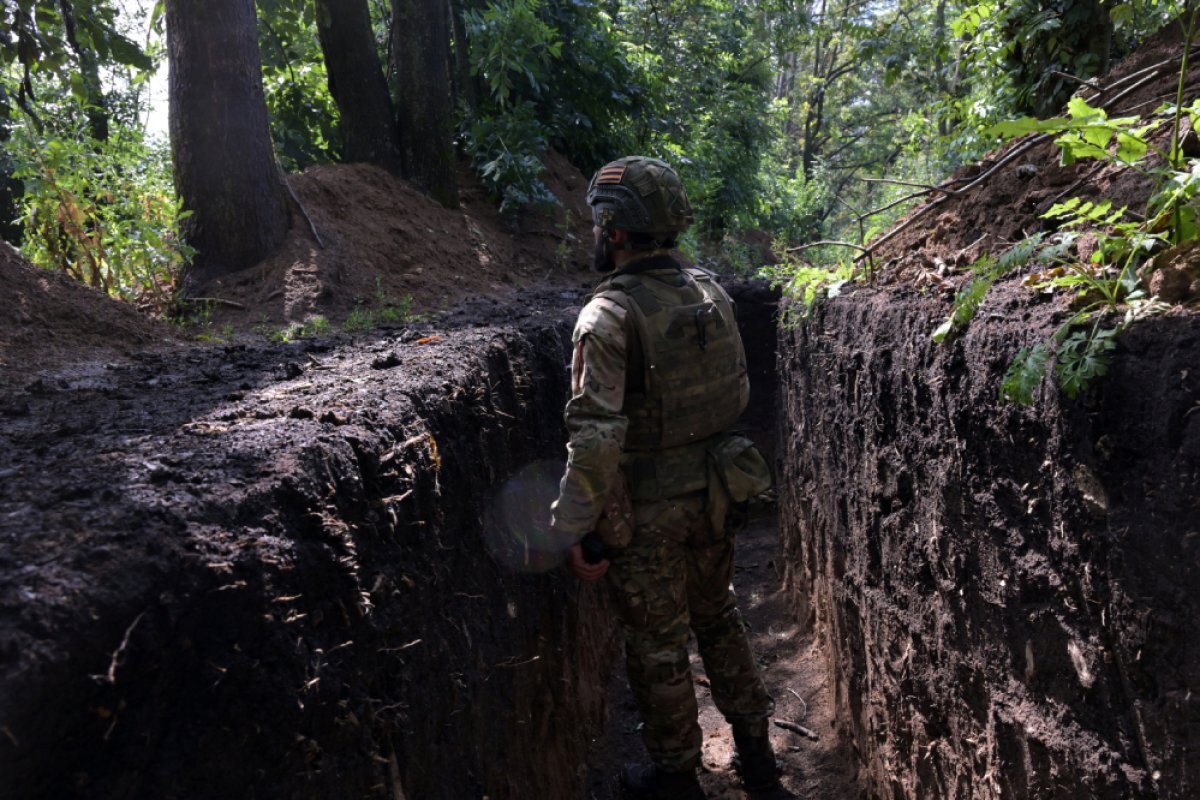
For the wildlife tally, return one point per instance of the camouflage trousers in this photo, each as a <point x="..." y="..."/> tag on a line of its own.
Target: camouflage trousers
<point x="674" y="576"/>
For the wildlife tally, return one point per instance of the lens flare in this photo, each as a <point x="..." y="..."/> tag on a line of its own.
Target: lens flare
<point x="518" y="533"/>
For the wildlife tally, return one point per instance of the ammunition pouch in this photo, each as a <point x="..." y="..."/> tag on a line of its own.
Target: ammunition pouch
<point x="737" y="472"/>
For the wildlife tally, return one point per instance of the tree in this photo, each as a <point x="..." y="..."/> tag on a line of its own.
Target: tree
<point x="221" y="150"/>
<point x="10" y="188"/>
<point x="89" y="85"/>
<point x="1055" y="40"/>
<point x="357" y="84"/>
<point x="421" y="44"/>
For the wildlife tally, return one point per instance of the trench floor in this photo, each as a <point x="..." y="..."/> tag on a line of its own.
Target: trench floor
<point x="794" y="669"/>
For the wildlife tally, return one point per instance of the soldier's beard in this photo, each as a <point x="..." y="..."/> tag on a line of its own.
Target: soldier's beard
<point x="602" y="256"/>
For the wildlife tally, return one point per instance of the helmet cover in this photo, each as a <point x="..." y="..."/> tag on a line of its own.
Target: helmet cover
<point x="640" y="195"/>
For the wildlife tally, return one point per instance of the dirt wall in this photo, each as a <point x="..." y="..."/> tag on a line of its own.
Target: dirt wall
<point x="1009" y="595"/>
<point x="265" y="572"/>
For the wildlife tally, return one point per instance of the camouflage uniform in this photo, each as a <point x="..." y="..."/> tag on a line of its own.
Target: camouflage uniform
<point x="676" y="572"/>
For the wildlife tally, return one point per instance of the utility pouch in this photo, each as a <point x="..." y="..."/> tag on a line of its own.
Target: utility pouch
<point x="615" y="526"/>
<point x="737" y="472"/>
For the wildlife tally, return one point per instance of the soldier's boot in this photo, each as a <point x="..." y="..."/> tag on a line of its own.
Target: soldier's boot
<point x="652" y="782"/>
<point x="755" y="760"/>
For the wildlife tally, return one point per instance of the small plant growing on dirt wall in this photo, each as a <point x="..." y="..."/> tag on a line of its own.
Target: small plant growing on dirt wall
<point x="1107" y="288"/>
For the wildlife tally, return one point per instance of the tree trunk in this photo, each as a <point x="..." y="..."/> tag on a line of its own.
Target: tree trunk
<point x="10" y="187"/>
<point x="221" y="150"/>
<point x="466" y="85"/>
<point x="89" y="72"/>
<point x="426" y="106"/>
<point x="357" y="84"/>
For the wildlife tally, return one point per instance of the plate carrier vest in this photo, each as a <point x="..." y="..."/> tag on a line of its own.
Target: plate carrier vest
<point x="686" y="377"/>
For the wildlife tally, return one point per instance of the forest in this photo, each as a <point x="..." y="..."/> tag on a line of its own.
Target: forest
<point x="811" y="121"/>
<point x="285" y="348"/>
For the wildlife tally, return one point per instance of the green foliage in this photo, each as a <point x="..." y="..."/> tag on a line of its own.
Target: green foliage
<point x="1082" y="357"/>
<point x="387" y="311"/>
<point x="1025" y="374"/>
<point x="1109" y="278"/>
<point x="304" y="116"/>
<point x="512" y="51"/>
<point x="806" y="284"/>
<point x="506" y="150"/>
<point x="984" y="273"/>
<point x="1079" y="357"/>
<point x="1018" y="52"/>
<point x="105" y="213"/>
<point x="37" y="38"/>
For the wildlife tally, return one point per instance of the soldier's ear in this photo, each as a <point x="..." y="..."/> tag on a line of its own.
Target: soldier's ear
<point x="618" y="236"/>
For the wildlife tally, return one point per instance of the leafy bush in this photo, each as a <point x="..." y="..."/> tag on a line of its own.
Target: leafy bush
<point x="104" y="213"/>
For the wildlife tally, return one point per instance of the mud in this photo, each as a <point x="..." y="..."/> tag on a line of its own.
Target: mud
<point x="262" y="572"/>
<point x="1007" y="595"/>
<point x="278" y="571"/>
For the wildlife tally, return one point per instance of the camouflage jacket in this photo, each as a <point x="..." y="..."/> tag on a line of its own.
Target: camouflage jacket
<point x="595" y="422"/>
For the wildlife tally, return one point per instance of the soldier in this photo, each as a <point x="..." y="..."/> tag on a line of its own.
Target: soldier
<point x="658" y="376"/>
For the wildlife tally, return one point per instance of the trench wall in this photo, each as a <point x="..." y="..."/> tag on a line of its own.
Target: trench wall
<point x="266" y="573"/>
<point x="1010" y="597"/>
<point x="284" y="571"/>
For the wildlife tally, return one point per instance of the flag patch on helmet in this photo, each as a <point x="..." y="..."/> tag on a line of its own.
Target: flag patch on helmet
<point x="612" y="174"/>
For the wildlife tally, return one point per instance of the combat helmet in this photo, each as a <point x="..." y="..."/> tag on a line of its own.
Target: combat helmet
<point x="641" y="195"/>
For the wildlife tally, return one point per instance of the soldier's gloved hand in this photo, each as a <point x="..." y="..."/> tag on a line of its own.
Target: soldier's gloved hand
<point x="581" y="569"/>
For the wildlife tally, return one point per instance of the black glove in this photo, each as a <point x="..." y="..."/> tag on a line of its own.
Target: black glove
<point x="594" y="550"/>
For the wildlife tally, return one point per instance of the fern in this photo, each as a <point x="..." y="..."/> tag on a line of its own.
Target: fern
<point x="987" y="271"/>
<point x="1083" y="357"/>
<point x="1025" y="374"/>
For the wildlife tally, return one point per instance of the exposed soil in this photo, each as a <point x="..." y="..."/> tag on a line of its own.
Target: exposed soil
<point x="287" y="559"/>
<point x="245" y="569"/>
<point x="382" y="245"/>
<point x="1007" y="595"/>
<point x="1000" y="201"/>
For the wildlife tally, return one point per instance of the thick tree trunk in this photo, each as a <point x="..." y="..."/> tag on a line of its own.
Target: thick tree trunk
<point x="224" y="164"/>
<point x="357" y="84"/>
<point x="425" y="103"/>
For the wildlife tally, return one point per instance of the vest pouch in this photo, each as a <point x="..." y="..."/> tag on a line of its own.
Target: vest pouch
<point x="737" y="472"/>
<point x="615" y="526"/>
<point x="740" y="466"/>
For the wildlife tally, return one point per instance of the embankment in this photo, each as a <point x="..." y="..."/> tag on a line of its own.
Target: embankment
<point x="1009" y="595"/>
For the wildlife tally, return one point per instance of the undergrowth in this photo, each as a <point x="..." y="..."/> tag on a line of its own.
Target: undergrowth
<point x="1106" y="288"/>
<point x="105" y="213"/>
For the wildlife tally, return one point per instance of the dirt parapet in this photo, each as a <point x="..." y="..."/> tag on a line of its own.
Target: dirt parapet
<point x="1009" y="595"/>
<point x="245" y="572"/>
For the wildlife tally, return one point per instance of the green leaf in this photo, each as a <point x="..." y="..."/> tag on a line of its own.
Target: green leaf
<point x="1024" y="375"/>
<point x="1083" y="357"/>
<point x="943" y="330"/>
<point x="1078" y="108"/>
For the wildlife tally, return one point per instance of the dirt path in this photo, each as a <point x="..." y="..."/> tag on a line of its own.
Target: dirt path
<point x="794" y="669"/>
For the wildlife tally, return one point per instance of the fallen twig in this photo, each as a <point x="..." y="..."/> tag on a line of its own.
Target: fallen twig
<point x="303" y="210"/>
<point x="1090" y="82"/>
<point x="928" y="187"/>
<point x="111" y="676"/>
<point x="800" y="729"/>
<point x="803" y="713"/>
<point x="827" y="242"/>
<point x="511" y="663"/>
<point x="1016" y="151"/>
<point x="220" y="301"/>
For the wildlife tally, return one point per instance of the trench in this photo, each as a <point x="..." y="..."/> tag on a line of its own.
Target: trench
<point x="280" y="572"/>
